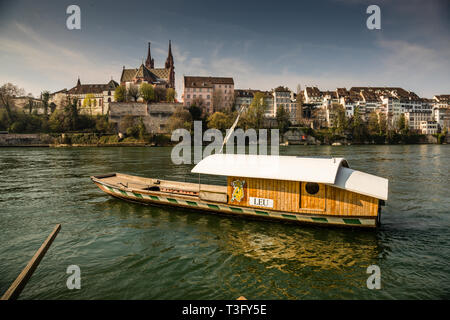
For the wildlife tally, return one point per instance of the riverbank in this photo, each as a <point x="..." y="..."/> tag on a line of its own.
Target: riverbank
<point x="79" y="140"/>
<point x="112" y="140"/>
<point x="308" y="136"/>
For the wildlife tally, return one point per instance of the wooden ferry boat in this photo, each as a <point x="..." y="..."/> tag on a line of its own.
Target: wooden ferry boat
<point x="323" y="191"/>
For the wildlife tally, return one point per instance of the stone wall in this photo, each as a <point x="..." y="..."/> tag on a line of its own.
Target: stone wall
<point x="154" y="115"/>
<point x="25" y="140"/>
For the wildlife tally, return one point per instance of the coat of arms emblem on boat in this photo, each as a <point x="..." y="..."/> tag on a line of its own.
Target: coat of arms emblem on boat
<point x="238" y="191"/>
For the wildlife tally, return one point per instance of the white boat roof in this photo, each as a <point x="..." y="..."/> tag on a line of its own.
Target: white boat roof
<point x="332" y="171"/>
<point x="363" y="183"/>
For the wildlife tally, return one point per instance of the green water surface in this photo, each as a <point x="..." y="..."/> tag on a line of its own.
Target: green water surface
<point x="131" y="251"/>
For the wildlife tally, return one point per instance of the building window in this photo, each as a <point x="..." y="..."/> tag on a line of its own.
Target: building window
<point x="312" y="188"/>
<point x="109" y="92"/>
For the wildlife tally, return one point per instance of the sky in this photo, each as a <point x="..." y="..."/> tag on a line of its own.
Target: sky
<point x="261" y="44"/>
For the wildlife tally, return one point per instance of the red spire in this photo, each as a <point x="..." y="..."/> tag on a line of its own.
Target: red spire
<point x="169" y="60"/>
<point x="149" y="63"/>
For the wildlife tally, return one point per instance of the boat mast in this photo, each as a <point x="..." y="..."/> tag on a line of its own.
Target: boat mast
<point x="230" y="131"/>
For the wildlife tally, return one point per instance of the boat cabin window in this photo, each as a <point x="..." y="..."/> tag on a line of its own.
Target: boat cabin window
<point x="312" y="188"/>
<point x="312" y="196"/>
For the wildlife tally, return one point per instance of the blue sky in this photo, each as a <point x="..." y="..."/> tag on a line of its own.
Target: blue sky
<point x="261" y="44"/>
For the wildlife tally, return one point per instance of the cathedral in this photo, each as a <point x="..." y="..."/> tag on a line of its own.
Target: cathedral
<point x="164" y="77"/>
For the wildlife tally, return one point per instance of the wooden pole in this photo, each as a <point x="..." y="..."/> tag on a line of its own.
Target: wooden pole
<point x="17" y="286"/>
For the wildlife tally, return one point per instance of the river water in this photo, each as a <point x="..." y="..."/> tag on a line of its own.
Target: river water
<point x="131" y="251"/>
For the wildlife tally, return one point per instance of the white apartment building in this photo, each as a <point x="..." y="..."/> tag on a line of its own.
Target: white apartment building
<point x="283" y="97"/>
<point x="312" y="95"/>
<point x="414" y="119"/>
<point x="429" y="127"/>
<point x="442" y="116"/>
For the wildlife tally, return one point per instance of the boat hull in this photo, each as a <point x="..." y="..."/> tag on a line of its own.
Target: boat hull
<point x="197" y="204"/>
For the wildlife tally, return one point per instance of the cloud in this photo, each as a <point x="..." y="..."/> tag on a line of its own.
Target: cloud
<point x="424" y="68"/>
<point x="30" y="55"/>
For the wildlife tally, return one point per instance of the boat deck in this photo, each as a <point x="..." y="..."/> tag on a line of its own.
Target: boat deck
<point x="145" y="185"/>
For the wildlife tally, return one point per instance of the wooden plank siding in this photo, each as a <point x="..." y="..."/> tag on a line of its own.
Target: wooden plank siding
<point x="291" y="196"/>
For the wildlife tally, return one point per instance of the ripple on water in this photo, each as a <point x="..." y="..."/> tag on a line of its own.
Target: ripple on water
<point x="129" y="251"/>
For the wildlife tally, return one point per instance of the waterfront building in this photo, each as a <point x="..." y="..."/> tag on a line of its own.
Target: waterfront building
<point x="414" y="119"/>
<point x="442" y="100"/>
<point x="284" y="97"/>
<point x="23" y="103"/>
<point x="93" y="99"/>
<point x="429" y="127"/>
<point x="243" y="97"/>
<point x="441" y="114"/>
<point x="312" y="95"/>
<point x="210" y="93"/>
<point x="349" y="105"/>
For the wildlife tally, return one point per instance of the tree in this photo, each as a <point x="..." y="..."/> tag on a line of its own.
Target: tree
<point x="340" y="119"/>
<point x="383" y="123"/>
<point x="299" y="101"/>
<point x="147" y="92"/>
<point x="401" y="124"/>
<point x="358" y="126"/>
<point x="7" y="92"/>
<point x="30" y="105"/>
<point x="88" y="102"/>
<point x="198" y="102"/>
<point x="125" y="123"/>
<point x="373" y="125"/>
<point x="71" y="109"/>
<point x="217" y="99"/>
<point x="52" y="107"/>
<point x="221" y="121"/>
<point x="102" y="125"/>
<point x="120" y="94"/>
<point x="138" y="130"/>
<point x="133" y="92"/>
<point x="181" y="118"/>
<point x="255" y="115"/>
<point x="170" y="95"/>
<point x="196" y="112"/>
<point x="45" y="96"/>
<point x="160" y="94"/>
<point x="282" y="119"/>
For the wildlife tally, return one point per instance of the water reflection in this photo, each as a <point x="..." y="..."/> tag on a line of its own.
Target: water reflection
<point x="279" y="245"/>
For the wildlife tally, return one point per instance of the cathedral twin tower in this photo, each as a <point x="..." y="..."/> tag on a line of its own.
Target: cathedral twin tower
<point x="169" y="65"/>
